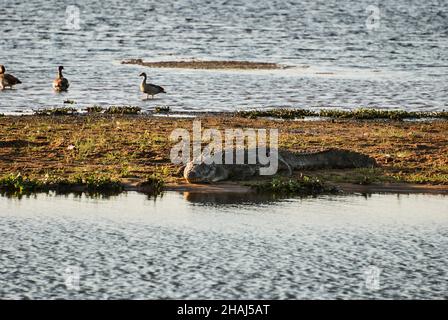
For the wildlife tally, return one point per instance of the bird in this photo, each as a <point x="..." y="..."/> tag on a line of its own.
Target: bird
<point x="7" y="80"/>
<point x="149" y="88"/>
<point x="60" y="83"/>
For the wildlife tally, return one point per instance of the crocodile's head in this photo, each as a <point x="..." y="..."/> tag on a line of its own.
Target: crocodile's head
<point x="204" y="173"/>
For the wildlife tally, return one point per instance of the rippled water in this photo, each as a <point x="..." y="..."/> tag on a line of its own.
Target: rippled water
<point x="337" y="60"/>
<point x="187" y="246"/>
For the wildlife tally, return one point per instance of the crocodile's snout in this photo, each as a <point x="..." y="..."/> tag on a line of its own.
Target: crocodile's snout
<point x="199" y="173"/>
<point x="191" y="176"/>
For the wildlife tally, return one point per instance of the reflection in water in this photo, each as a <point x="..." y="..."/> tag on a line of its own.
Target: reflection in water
<point x="129" y="246"/>
<point x="251" y="198"/>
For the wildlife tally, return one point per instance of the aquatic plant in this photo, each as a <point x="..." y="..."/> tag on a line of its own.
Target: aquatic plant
<point x="60" y="111"/>
<point x="16" y="184"/>
<point x="359" y="114"/>
<point x="153" y="184"/>
<point x="122" y="110"/>
<point x="138" y="146"/>
<point x="206" y="64"/>
<point x="95" y="109"/>
<point x="162" y="109"/>
<point x="281" y="113"/>
<point x="302" y="186"/>
<point x="94" y="183"/>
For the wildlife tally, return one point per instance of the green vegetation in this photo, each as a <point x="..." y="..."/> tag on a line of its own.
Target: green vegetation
<point x="301" y="186"/>
<point x="95" y="109"/>
<point x="362" y="176"/>
<point x="62" y="111"/>
<point x="359" y="114"/>
<point x="122" y="110"/>
<point x="18" y="185"/>
<point x="162" y="109"/>
<point x="114" y="110"/>
<point x="153" y="183"/>
<point x="422" y="178"/>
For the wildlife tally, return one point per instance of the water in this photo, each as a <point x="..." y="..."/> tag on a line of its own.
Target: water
<point x="188" y="246"/>
<point x="401" y="64"/>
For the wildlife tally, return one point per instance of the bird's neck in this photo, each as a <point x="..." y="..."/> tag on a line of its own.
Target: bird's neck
<point x="59" y="74"/>
<point x="144" y="80"/>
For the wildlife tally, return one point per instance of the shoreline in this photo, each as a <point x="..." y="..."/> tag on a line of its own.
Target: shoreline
<point x="229" y="188"/>
<point x="346" y="188"/>
<point x="268" y="113"/>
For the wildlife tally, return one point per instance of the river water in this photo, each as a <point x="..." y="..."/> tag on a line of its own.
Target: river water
<point x="343" y="54"/>
<point x="194" y="246"/>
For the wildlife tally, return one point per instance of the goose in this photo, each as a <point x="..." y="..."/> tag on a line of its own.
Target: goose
<point x="149" y="88"/>
<point x="60" y="83"/>
<point x="7" y="80"/>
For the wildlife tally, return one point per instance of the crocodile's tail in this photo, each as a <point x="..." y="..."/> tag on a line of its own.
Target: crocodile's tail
<point x="333" y="159"/>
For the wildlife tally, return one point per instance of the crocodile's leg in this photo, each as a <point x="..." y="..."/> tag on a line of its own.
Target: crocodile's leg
<point x="288" y="167"/>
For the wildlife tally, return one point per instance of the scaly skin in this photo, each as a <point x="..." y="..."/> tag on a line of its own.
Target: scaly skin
<point x="327" y="159"/>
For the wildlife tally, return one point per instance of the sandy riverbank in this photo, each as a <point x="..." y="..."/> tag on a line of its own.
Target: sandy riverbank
<point x="413" y="156"/>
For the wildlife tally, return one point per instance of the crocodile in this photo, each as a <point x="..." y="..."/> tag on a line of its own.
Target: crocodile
<point x="206" y="172"/>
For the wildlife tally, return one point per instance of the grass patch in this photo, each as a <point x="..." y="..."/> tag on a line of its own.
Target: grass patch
<point x="84" y="148"/>
<point x="153" y="184"/>
<point x="62" y="111"/>
<point x="16" y="185"/>
<point x="282" y="113"/>
<point x="113" y="110"/>
<point x="122" y="110"/>
<point x="366" y="114"/>
<point x="303" y="186"/>
<point x="362" y="176"/>
<point x="161" y="109"/>
<point x="95" y="109"/>
<point x="359" y="114"/>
